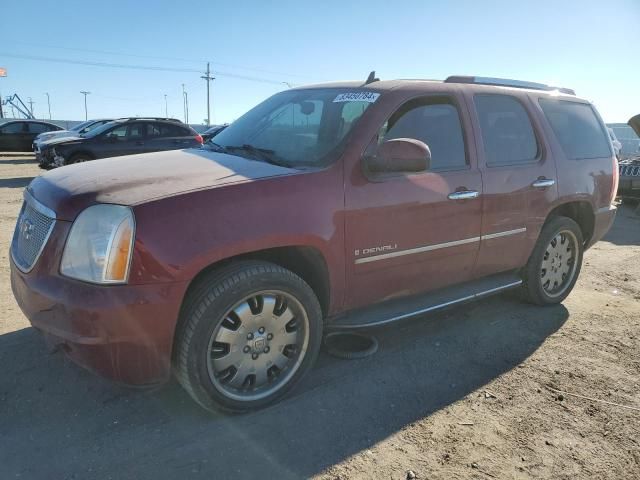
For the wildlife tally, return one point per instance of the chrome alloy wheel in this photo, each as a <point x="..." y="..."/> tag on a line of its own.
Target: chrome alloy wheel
<point x="559" y="263"/>
<point x="258" y="346"/>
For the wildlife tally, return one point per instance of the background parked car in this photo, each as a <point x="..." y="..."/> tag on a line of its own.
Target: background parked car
<point x="213" y="131"/>
<point x="617" y="145"/>
<point x="120" y="137"/>
<point x="629" y="185"/>
<point x="79" y="129"/>
<point x="17" y="136"/>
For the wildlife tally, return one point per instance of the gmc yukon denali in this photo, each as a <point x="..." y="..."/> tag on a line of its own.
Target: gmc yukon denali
<point x="342" y="205"/>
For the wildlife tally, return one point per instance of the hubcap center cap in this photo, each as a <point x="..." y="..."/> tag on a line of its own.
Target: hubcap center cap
<point x="258" y="343"/>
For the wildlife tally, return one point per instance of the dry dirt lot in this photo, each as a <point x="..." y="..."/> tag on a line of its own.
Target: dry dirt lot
<point x="466" y="393"/>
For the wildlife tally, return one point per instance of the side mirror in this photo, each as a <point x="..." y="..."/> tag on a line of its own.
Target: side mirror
<point x="400" y="155"/>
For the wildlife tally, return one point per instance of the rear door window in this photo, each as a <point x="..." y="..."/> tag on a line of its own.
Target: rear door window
<point x="577" y="128"/>
<point x="507" y="132"/>
<point x="38" y="128"/>
<point x="434" y="121"/>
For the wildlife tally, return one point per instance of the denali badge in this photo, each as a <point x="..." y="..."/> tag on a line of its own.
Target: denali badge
<point x="383" y="248"/>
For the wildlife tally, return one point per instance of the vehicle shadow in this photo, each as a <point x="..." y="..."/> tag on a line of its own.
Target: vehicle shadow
<point x="626" y="228"/>
<point x="17" y="161"/>
<point x="58" y="421"/>
<point x="17" y="182"/>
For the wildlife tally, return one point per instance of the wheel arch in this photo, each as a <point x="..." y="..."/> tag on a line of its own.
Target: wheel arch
<point x="305" y="261"/>
<point x="580" y="212"/>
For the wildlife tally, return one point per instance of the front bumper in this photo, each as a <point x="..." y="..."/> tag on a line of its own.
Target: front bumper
<point x="124" y="333"/>
<point x="604" y="218"/>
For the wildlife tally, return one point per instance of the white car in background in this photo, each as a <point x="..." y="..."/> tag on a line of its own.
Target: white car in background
<point x="617" y="145"/>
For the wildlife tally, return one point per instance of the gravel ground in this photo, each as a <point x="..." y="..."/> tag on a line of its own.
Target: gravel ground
<point x="489" y="390"/>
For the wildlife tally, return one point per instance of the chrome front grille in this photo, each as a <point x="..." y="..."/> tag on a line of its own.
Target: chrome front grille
<point x="35" y="224"/>
<point x="630" y="170"/>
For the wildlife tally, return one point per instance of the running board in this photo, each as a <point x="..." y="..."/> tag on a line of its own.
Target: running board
<point x="402" y="308"/>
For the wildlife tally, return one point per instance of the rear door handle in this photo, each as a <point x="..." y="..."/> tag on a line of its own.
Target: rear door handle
<point x="463" y="195"/>
<point x="543" y="183"/>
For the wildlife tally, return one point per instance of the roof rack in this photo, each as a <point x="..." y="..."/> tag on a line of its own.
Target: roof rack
<point x="506" y="82"/>
<point x="151" y="118"/>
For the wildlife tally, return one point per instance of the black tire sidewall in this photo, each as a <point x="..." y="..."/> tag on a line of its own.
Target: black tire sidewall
<point x="78" y="158"/>
<point x="533" y="284"/>
<point x="209" y="314"/>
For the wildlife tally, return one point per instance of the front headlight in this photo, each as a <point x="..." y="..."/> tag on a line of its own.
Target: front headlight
<point x="100" y="244"/>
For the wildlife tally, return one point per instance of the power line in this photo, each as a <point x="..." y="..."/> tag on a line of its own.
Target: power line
<point x="158" y="57"/>
<point x="137" y="67"/>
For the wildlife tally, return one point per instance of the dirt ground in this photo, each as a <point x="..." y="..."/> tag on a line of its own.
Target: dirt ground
<point x="467" y="393"/>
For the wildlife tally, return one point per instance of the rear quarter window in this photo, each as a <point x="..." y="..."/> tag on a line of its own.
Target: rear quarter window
<point x="577" y="128"/>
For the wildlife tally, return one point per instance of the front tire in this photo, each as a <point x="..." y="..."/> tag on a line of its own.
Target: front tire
<point x="248" y="334"/>
<point x="554" y="265"/>
<point x="79" y="158"/>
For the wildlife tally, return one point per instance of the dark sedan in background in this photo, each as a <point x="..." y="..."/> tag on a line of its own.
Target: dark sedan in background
<point x="18" y="136"/>
<point x="120" y="137"/>
<point x="213" y="131"/>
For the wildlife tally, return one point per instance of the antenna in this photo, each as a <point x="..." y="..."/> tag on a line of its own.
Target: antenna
<point x="372" y="78"/>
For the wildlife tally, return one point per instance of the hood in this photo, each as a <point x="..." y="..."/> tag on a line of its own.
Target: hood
<point x="137" y="179"/>
<point x="64" y="138"/>
<point x="634" y="122"/>
<point x="57" y="133"/>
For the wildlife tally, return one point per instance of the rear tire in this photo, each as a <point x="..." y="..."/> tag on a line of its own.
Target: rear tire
<point x="247" y="335"/>
<point x="554" y="264"/>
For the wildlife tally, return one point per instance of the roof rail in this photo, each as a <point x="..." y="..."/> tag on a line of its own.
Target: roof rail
<point x="151" y="118"/>
<point x="506" y="82"/>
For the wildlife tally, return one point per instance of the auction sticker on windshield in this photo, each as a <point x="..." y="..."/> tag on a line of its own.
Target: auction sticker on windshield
<point x="357" y="97"/>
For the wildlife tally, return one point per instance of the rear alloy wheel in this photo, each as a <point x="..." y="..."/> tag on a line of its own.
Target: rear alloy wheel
<point x="554" y="265"/>
<point x="248" y="334"/>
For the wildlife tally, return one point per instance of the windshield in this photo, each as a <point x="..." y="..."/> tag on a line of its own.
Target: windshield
<point x="80" y="126"/>
<point x="93" y="132"/>
<point x="296" y="127"/>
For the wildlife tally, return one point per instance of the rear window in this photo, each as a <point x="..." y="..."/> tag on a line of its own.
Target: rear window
<point x="577" y="128"/>
<point x="506" y="130"/>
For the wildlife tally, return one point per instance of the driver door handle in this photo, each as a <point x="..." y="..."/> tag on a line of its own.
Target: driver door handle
<point x="543" y="183"/>
<point x="463" y="195"/>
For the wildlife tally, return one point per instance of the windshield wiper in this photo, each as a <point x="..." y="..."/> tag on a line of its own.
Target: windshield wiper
<point x="218" y="148"/>
<point x="262" y="153"/>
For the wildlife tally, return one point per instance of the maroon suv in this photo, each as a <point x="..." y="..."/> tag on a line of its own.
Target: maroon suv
<point x="341" y="205"/>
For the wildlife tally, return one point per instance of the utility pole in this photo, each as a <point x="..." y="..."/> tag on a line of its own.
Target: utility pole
<point x="184" y="105"/>
<point x="208" y="78"/>
<point x="31" y="102"/>
<point x="1" y="109"/>
<point x="85" y="93"/>
<point x="166" y="111"/>
<point x="49" y="104"/>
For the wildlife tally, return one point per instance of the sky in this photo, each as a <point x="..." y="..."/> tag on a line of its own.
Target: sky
<point x="256" y="46"/>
